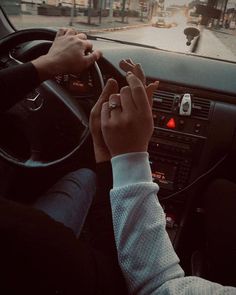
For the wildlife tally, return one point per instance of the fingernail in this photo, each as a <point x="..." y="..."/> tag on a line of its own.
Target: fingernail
<point x="128" y="73"/>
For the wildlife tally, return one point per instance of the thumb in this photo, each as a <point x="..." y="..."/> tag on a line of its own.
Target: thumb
<point x="105" y="115"/>
<point x="92" y="57"/>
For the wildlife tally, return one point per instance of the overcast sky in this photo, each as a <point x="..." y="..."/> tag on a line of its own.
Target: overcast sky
<point x="231" y="3"/>
<point x="178" y="2"/>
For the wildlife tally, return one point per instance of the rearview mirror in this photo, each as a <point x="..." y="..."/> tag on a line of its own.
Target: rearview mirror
<point x="191" y="33"/>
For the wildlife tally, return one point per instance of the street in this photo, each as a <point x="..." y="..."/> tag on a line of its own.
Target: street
<point x="171" y="39"/>
<point x="174" y="39"/>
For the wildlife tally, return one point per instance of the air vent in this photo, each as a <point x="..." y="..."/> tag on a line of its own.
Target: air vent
<point x="163" y="100"/>
<point x="201" y="107"/>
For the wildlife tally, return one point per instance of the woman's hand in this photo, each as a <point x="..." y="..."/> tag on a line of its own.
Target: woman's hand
<point x="128" y="126"/>
<point x="68" y="54"/>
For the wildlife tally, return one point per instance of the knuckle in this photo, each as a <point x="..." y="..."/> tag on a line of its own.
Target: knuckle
<point x="138" y="88"/>
<point x="112" y="96"/>
<point x="124" y="89"/>
<point x="79" y="41"/>
<point x="71" y="38"/>
<point x="82" y="36"/>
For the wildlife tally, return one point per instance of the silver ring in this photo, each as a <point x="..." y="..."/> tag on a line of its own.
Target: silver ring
<point x="113" y="106"/>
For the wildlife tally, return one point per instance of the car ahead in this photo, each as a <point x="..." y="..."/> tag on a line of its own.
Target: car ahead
<point x="163" y="20"/>
<point x="162" y="23"/>
<point x="194" y="113"/>
<point x="194" y="20"/>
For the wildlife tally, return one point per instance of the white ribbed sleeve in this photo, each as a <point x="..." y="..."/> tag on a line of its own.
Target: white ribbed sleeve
<point x="146" y="256"/>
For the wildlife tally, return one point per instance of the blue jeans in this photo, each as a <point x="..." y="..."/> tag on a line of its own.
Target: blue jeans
<point x="69" y="200"/>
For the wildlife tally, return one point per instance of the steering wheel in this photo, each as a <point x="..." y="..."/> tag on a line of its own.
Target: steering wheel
<point x="51" y="124"/>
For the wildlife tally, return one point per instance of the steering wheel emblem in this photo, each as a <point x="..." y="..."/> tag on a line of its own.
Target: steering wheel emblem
<point x="34" y="101"/>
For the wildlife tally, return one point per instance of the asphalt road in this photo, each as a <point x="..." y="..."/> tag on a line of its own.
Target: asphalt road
<point x="171" y="39"/>
<point x="174" y="39"/>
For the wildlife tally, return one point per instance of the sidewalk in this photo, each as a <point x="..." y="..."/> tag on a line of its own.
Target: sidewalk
<point x="224" y="31"/>
<point x="227" y="37"/>
<point x="215" y="46"/>
<point x="109" y="24"/>
<point x="79" y="22"/>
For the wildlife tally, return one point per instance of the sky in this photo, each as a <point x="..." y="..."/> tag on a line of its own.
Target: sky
<point x="231" y="3"/>
<point x="179" y="2"/>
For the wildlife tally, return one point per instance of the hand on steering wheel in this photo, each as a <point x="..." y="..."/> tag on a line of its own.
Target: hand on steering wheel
<point x="57" y="130"/>
<point x="70" y="52"/>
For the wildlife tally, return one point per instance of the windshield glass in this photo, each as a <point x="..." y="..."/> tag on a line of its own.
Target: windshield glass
<point x="159" y="23"/>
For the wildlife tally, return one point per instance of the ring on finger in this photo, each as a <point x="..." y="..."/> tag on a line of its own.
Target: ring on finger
<point x="113" y="105"/>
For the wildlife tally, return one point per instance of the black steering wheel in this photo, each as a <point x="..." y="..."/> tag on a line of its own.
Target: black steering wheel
<point x="49" y="124"/>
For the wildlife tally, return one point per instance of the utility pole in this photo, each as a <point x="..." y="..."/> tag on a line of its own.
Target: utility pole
<point x="141" y="8"/>
<point x="89" y="11"/>
<point x="72" y="13"/>
<point x="123" y="11"/>
<point x="226" y="3"/>
<point x="111" y="8"/>
<point x="100" y="11"/>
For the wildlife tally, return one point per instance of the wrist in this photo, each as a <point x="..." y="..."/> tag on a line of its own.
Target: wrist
<point x="130" y="150"/>
<point x="101" y="154"/>
<point x="45" y="67"/>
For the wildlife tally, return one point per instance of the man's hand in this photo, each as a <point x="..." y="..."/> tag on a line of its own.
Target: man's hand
<point x="68" y="54"/>
<point x="128" y="127"/>
<point x="129" y="66"/>
<point x="101" y="151"/>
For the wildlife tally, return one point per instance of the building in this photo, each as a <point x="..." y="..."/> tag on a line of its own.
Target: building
<point x="12" y="7"/>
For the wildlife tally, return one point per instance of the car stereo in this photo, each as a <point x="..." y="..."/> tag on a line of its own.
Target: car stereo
<point x="172" y="156"/>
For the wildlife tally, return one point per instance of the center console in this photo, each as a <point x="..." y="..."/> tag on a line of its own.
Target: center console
<point x="178" y="139"/>
<point x="176" y="145"/>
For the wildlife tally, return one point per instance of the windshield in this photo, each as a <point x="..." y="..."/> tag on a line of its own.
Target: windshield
<point x="159" y="23"/>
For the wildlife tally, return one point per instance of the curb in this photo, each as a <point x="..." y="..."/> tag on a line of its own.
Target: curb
<point x="93" y="31"/>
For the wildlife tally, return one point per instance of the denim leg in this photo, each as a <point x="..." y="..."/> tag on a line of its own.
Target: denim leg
<point x="69" y="200"/>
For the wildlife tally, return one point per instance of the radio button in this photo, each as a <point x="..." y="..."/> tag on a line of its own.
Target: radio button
<point x="162" y="120"/>
<point x="181" y="124"/>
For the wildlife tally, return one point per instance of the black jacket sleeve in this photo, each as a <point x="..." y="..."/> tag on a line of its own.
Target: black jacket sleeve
<point x="101" y="226"/>
<point x="15" y="83"/>
<point x="41" y="256"/>
<point x="100" y="216"/>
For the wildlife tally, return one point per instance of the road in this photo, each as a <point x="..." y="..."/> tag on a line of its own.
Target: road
<point x="174" y="39"/>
